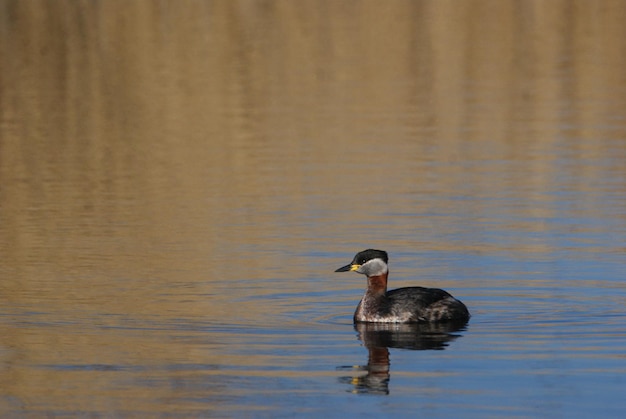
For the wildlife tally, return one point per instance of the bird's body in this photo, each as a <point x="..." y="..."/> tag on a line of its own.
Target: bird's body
<point x="402" y="305"/>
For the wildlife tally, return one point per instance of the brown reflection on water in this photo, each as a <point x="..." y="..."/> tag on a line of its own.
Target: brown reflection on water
<point x="166" y="160"/>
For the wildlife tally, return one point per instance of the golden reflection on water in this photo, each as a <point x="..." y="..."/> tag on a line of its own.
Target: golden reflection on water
<point x="166" y="163"/>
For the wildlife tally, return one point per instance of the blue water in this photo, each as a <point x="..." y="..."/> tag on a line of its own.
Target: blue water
<point x="180" y="180"/>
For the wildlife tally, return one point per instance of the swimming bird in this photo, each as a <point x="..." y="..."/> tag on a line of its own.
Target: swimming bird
<point x="402" y="305"/>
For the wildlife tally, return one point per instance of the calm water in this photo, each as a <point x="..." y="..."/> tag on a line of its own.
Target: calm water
<point x="179" y="180"/>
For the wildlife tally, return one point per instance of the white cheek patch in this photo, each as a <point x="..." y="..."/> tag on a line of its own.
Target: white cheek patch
<point x="374" y="267"/>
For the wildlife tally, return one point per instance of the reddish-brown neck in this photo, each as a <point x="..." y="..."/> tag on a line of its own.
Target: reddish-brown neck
<point x="377" y="284"/>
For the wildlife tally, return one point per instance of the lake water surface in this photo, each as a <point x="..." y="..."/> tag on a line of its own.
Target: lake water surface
<point x="179" y="181"/>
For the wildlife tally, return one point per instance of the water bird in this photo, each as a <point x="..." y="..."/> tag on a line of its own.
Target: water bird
<point x="402" y="305"/>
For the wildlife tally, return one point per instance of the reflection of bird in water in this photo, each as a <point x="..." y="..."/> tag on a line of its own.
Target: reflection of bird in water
<point x="376" y="381"/>
<point x="415" y="336"/>
<point x="402" y="305"/>
<point x="378" y="337"/>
